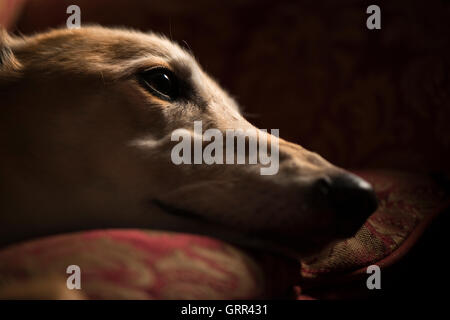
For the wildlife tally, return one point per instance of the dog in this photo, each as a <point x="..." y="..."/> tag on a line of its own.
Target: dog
<point x="85" y="137"/>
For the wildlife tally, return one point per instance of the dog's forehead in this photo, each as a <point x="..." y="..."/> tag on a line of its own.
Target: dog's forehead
<point x="101" y="49"/>
<point x="114" y="54"/>
<point x="129" y="44"/>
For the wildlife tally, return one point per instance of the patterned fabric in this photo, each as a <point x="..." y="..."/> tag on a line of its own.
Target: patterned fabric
<point x="407" y="204"/>
<point x="134" y="264"/>
<point x="140" y="264"/>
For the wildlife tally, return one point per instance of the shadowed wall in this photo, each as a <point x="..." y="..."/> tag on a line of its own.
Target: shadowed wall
<point x="359" y="97"/>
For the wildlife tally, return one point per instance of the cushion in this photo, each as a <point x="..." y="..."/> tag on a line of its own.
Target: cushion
<point x="150" y="264"/>
<point x="140" y="264"/>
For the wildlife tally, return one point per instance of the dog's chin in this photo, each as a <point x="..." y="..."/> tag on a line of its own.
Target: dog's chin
<point x="293" y="247"/>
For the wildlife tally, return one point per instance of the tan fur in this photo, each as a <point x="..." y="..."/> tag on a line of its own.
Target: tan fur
<point x="85" y="146"/>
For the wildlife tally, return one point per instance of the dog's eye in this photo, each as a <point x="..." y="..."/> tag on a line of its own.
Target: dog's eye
<point x="160" y="82"/>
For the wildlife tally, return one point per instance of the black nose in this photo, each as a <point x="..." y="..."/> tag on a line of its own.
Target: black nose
<point x="352" y="199"/>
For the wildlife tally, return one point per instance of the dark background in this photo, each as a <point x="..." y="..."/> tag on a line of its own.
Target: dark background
<point x="361" y="98"/>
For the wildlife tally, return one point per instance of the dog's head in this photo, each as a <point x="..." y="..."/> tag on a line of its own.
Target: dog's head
<point x="87" y="118"/>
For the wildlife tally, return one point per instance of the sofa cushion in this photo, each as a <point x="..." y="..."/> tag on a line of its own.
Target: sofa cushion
<point x="139" y="264"/>
<point x="149" y="264"/>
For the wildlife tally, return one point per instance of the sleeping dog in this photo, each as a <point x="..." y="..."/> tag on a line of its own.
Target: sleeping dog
<point x="86" y="121"/>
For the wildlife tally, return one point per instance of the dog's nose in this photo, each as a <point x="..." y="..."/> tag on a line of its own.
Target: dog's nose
<point x="351" y="198"/>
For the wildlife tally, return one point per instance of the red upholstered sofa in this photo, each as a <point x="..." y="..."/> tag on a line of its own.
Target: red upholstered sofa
<point x="362" y="100"/>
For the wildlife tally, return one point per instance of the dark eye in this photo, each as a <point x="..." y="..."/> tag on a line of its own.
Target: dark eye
<point x="161" y="82"/>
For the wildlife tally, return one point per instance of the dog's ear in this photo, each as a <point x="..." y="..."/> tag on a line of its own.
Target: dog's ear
<point x="8" y="61"/>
